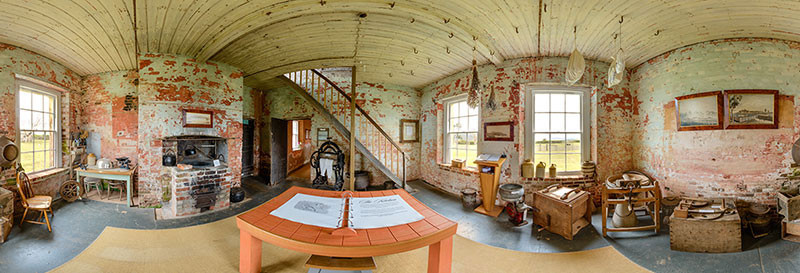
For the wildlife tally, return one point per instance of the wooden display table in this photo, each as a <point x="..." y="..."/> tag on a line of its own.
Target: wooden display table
<point x="490" y="180"/>
<point x="256" y="225"/>
<point x="109" y="174"/>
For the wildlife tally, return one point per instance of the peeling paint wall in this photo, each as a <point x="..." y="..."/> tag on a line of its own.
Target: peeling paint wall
<point x="610" y="118"/>
<point x="253" y="108"/>
<point x="14" y="60"/>
<point x="730" y="163"/>
<point x="111" y="109"/>
<point x="168" y="84"/>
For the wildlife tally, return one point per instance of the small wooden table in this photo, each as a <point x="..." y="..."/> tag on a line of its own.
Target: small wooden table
<point x="256" y="225"/>
<point x="109" y="174"/>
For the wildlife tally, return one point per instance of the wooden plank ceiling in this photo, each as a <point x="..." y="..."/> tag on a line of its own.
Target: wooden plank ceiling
<point x="410" y="43"/>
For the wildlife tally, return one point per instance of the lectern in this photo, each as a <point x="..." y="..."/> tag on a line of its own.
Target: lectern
<point x="489" y="167"/>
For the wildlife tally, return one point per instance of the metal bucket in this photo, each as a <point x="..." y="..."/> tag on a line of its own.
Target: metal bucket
<point x="469" y="198"/>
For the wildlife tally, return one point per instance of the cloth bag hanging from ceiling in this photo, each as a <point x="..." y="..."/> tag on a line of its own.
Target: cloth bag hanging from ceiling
<point x="575" y="67"/>
<point x="616" y="71"/>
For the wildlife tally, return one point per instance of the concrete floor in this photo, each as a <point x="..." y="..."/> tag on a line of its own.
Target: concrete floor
<point x="76" y="225"/>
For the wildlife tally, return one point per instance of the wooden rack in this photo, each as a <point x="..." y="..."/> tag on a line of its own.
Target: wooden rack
<point x="653" y="195"/>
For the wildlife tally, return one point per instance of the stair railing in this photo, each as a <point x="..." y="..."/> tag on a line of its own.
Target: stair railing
<point x="368" y="132"/>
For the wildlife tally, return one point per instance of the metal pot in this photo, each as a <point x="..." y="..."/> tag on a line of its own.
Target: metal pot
<point x="511" y="192"/>
<point x="469" y="198"/>
<point x="237" y="194"/>
<point x="190" y="151"/>
<point x="169" y="159"/>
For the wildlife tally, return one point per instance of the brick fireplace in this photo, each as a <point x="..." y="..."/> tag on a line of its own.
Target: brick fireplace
<point x="198" y="190"/>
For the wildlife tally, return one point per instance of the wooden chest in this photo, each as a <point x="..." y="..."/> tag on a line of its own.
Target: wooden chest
<point x="700" y="235"/>
<point x="790" y="231"/>
<point x="789" y="207"/>
<point x="564" y="217"/>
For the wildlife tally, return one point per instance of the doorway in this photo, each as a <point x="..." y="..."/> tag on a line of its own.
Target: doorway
<point x="248" y="136"/>
<point x="279" y="151"/>
<point x="298" y="136"/>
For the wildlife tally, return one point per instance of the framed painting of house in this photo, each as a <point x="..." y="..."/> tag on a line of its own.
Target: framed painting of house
<point x="198" y="118"/>
<point x="409" y="130"/>
<point x="498" y="131"/>
<point x="751" y="109"/>
<point x="701" y="111"/>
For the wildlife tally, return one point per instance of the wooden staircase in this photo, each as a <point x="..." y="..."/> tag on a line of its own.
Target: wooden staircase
<point x="371" y="140"/>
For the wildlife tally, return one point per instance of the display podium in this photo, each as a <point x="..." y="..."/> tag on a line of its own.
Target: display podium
<point x="489" y="167"/>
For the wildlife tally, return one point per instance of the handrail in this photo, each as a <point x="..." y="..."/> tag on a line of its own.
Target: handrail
<point x="363" y="113"/>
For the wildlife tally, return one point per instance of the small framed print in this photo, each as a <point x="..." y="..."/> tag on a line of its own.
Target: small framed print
<point x="751" y="109"/>
<point x="322" y="136"/>
<point x="701" y="111"/>
<point x="498" y="131"/>
<point x="409" y="130"/>
<point x="198" y="118"/>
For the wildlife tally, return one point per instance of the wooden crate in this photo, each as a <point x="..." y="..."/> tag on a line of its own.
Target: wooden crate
<point x="712" y="236"/>
<point x="790" y="231"/>
<point x="562" y="217"/>
<point x="789" y="207"/>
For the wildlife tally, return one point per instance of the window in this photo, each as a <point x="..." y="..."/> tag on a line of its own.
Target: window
<point x="461" y="132"/>
<point x="39" y="127"/>
<point x="559" y="127"/>
<point x="296" y="135"/>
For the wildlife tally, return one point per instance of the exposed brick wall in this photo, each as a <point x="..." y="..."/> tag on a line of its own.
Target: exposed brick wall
<point x="729" y="163"/>
<point x="14" y="60"/>
<point x="111" y="109"/>
<point x="610" y="118"/>
<point x="170" y="83"/>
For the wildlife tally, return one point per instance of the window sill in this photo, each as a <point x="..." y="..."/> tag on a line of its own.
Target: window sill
<point x="565" y="178"/>
<point x="465" y="170"/>
<point x="46" y="173"/>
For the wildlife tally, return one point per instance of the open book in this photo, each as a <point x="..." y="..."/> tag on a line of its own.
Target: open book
<point x="363" y="212"/>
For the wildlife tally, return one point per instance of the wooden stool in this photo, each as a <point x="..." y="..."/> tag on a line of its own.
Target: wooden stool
<point x="325" y="264"/>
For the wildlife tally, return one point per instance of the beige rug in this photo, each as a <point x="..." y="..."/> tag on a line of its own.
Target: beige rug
<point x="214" y="247"/>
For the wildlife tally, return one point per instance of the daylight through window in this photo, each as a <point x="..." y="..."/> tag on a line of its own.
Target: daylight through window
<point x="461" y="137"/>
<point x="38" y="128"/>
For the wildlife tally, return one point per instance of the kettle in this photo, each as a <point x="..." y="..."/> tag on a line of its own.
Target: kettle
<point x="169" y="159"/>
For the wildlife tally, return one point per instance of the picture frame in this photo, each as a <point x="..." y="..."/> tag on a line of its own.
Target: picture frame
<point x="322" y="135"/>
<point x="308" y="134"/>
<point x="751" y="109"/>
<point x="498" y="131"/>
<point x="409" y="130"/>
<point x="198" y="118"/>
<point x="701" y="111"/>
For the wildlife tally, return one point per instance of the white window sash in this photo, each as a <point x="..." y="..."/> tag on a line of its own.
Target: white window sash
<point x="584" y="92"/>
<point x="447" y="133"/>
<point x="32" y="85"/>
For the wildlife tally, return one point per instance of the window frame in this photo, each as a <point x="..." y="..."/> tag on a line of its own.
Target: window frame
<point x="296" y="136"/>
<point x="585" y="93"/>
<point x="446" y="129"/>
<point x="43" y="88"/>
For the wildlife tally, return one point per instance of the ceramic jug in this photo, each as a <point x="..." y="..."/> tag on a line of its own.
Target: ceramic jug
<point x="553" y="171"/>
<point x="528" y="168"/>
<point x="540" y="170"/>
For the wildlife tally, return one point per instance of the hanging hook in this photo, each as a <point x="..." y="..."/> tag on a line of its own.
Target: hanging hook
<point x="429" y="61"/>
<point x="390" y="74"/>
<point x="474" y="38"/>
<point x="447" y="20"/>
<point x="392" y="5"/>
<point x="491" y="52"/>
<point x="412" y="20"/>
<point x="474" y="48"/>
<point x="658" y="31"/>
<point x="412" y="72"/>
<point x="448" y="49"/>
<point x="545" y="7"/>
<point x="621" y="18"/>
<point x="516" y="29"/>
<point x="451" y="35"/>
<point x="415" y="51"/>
<point x="402" y="63"/>
<point x="575" y="29"/>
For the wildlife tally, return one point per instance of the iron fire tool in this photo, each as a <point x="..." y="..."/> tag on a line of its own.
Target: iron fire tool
<point x="517" y="210"/>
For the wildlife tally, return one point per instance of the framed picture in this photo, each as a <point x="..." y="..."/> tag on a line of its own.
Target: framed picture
<point x="751" y="109"/>
<point x="701" y="111"/>
<point x="498" y="131"/>
<point x="308" y="133"/>
<point x="198" y="118"/>
<point x="322" y="135"/>
<point x="409" y="130"/>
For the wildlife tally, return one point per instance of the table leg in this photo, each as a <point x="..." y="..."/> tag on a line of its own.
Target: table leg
<point x="440" y="256"/>
<point x="128" y="189"/>
<point x="249" y="253"/>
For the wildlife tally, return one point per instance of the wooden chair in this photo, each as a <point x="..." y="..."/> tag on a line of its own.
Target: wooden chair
<point x="97" y="183"/>
<point x="40" y="203"/>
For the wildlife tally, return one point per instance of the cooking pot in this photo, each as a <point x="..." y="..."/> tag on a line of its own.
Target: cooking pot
<point x="104" y="163"/>
<point x="237" y="194"/>
<point x="8" y="152"/>
<point x="190" y="151"/>
<point x="169" y="159"/>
